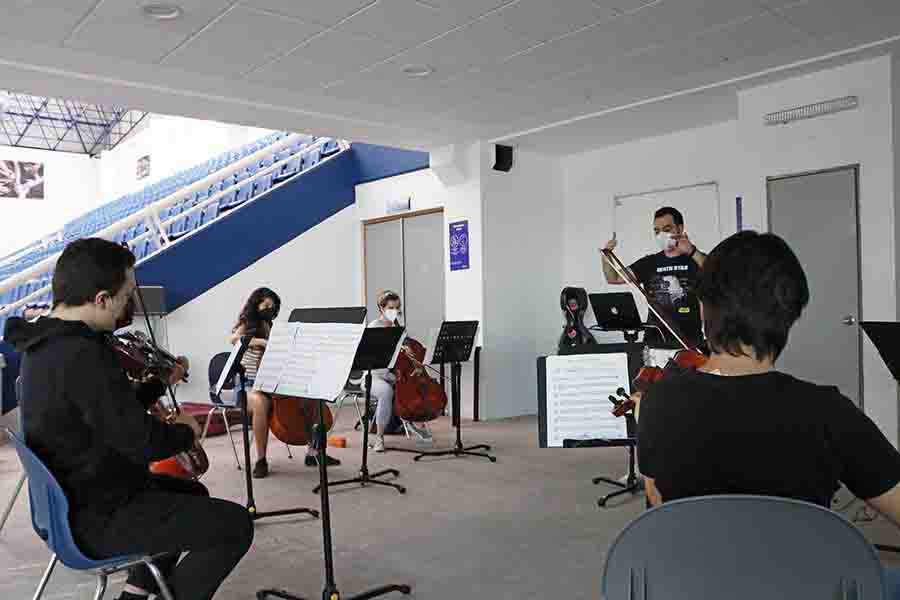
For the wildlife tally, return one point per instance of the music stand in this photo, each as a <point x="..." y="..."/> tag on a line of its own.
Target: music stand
<point x="884" y="335"/>
<point x="377" y="350"/>
<point x="454" y="345"/>
<point x="330" y="591"/>
<point x="233" y="367"/>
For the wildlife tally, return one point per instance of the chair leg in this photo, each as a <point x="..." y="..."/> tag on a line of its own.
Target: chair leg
<point x="290" y="454"/>
<point x="164" y="590"/>
<point x="337" y="411"/>
<point x="101" y="586"/>
<point x="206" y="425"/>
<point x="12" y="501"/>
<point x="237" y="461"/>
<point x="45" y="578"/>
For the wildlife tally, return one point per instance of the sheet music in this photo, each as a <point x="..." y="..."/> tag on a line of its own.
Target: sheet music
<point x="275" y="358"/>
<point x="577" y="391"/>
<point x="223" y="379"/>
<point x="320" y="360"/>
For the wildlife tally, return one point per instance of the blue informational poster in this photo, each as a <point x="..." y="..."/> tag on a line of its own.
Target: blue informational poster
<point x="459" y="245"/>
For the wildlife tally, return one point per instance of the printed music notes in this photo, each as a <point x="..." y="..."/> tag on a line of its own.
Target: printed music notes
<point x="308" y="360"/>
<point x="577" y="397"/>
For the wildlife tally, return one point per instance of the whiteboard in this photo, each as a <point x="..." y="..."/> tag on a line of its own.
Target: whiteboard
<point x="633" y="221"/>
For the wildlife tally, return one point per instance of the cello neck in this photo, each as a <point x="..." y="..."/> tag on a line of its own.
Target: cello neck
<point x="626" y="275"/>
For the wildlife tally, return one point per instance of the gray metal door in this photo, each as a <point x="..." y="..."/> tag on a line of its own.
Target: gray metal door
<point x="384" y="262"/>
<point x="816" y="214"/>
<point x="423" y="252"/>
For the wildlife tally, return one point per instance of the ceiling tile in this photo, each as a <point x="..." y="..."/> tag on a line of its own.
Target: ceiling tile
<point x="484" y="42"/>
<point x="322" y="12"/>
<point x="42" y="21"/>
<point x="543" y="20"/>
<point x="120" y="29"/>
<point x="329" y="57"/>
<point x="239" y="41"/>
<point x="403" y="22"/>
<point x="821" y="18"/>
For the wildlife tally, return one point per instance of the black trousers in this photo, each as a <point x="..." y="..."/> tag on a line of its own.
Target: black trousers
<point x="173" y="516"/>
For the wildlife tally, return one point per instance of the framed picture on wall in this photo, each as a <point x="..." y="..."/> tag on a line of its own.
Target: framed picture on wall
<point x="21" y="180"/>
<point x="143" y="167"/>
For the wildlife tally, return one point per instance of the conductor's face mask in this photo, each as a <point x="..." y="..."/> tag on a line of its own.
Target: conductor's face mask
<point x="665" y="241"/>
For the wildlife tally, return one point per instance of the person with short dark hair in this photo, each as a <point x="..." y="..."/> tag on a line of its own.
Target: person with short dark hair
<point x="90" y="425"/>
<point x="669" y="278"/>
<point x="739" y="426"/>
<point x="255" y="319"/>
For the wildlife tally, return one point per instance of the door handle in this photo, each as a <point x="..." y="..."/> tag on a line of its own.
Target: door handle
<point x="848" y="320"/>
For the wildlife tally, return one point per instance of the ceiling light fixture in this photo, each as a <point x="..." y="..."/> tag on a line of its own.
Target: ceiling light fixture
<point x="417" y="71"/>
<point x="162" y="12"/>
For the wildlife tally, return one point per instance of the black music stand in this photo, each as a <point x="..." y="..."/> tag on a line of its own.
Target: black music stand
<point x="632" y="483"/>
<point x="885" y="335"/>
<point x="454" y="345"/>
<point x="329" y="591"/>
<point x="376" y="351"/>
<point x="234" y="368"/>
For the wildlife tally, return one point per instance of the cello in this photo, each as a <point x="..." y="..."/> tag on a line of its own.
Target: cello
<point x="688" y="358"/>
<point x="417" y="397"/>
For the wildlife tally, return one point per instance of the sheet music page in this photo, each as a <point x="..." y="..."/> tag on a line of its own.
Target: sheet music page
<point x="275" y="358"/>
<point x="320" y="360"/>
<point x="228" y="365"/>
<point x="577" y="391"/>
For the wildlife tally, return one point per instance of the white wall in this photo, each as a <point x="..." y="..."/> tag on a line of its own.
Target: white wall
<point x="464" y="298"/>
<point x="739" y="155"/>
<point x="200" y="328"/>
<point x="173" y="144"/>
<point x="70" y="189"/>
<point x="522" y="279"/>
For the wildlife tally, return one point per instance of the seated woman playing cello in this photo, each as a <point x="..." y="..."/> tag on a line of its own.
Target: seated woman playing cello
<point x="383" y="380"/>
<point x="255" y="319"/>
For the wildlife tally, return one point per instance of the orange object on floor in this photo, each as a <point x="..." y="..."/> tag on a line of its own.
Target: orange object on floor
<point x="337" y="441"/>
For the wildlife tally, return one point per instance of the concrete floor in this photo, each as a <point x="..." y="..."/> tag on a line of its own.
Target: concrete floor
<point x="526" y="527"/>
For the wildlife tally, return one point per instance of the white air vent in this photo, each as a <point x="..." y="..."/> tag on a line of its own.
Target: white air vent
<point x="783" y="117"/>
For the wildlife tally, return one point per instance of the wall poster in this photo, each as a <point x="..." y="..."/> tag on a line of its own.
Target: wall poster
<point x="21" y="180"/>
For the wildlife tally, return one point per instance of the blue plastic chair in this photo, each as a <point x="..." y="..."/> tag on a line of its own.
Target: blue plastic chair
<point x="741" y="547"/>
<point x="50" y="518"/>
<point x="23" y="476"/>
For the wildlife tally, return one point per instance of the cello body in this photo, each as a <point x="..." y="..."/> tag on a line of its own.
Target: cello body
<point x="417" y="397"/>
<point x="292" y="419"/>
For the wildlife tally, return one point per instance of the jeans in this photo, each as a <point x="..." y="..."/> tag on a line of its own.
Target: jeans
<point x="383" y="392"/>
<point x="173" y="516"/>
<point x="892" y="582"/>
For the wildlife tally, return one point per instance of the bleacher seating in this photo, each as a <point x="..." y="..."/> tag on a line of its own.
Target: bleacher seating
<point x="176" y="219"/>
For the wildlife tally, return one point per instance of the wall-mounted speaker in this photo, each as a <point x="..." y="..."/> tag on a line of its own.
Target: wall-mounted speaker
<point x="503" y="158"/>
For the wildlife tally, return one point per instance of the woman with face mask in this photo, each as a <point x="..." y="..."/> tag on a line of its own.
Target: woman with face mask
<point x="389" y="309"/>
<point x="255" y="320"/>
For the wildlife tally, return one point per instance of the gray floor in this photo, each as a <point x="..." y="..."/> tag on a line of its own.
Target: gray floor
<point x="526" y="527"/>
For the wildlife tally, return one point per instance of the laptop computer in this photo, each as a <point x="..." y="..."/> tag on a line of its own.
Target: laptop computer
<point x="616" y="311"/>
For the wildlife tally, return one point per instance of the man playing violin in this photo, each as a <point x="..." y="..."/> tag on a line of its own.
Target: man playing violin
<point x="737" y="425"/>
<point x="89" y="424"/>
<point x="669" y="278"/>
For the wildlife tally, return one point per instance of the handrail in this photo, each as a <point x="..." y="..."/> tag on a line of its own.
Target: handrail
<point x="150" y="212"/>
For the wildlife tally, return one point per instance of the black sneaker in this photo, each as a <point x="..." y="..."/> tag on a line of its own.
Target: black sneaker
<point x="311" y="460"/>
<point x="261" y="469"/>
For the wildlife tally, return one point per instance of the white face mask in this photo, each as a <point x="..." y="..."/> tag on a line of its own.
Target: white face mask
<point x="391" y="314"/>
<point x="664" y="241"/>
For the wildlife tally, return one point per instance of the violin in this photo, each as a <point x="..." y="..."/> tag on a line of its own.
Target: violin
<point x="686" y="359"/>
<point x="143" y="360"/>
<point x="417" y="397"/>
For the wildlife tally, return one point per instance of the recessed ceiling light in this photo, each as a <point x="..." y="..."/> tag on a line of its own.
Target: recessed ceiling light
<point x="162" y="12"/>
<point x="417" y="71"/>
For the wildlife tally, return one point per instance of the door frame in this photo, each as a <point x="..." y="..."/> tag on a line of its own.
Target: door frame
<point x="854" y="168"/>
<point x="387" y="219"/>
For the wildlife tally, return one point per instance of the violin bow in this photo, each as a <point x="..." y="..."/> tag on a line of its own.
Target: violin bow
<point x="625" y="274"/>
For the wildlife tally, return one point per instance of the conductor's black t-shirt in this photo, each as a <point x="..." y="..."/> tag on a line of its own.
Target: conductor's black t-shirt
<point x="769" y="434"/>
<point x="670" y="283"/>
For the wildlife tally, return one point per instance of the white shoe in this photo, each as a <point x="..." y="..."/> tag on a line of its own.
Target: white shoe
<point x="420" y="430"/>
<point x="378" y="444"/>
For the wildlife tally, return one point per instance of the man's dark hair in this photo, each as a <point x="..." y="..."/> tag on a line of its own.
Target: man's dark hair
<point x="676" y="215"/>
<point x="753" y="289"/>
<point x="89" y="266"/>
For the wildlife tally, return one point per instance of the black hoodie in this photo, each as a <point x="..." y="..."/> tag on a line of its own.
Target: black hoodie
<point x="84" y="418"/>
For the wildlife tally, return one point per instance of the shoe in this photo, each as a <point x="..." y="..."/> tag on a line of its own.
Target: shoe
<point x="420" y="430"/>
<point x="312" y="460"/>
<point x="261" y="469"/>
<point x="378" y="446"/>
